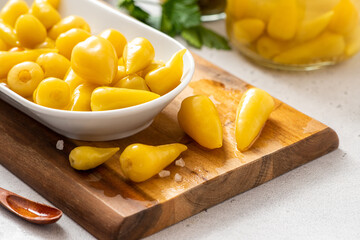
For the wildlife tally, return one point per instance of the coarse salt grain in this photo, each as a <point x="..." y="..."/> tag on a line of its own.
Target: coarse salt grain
<point x="60" y="145"/>
<point x="180" y="162"/>
<point x="178" y="177"/>
<point x="164" y="173"/>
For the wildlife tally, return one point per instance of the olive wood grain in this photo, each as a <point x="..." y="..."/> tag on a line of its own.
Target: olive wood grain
<point x="110" y="207"/>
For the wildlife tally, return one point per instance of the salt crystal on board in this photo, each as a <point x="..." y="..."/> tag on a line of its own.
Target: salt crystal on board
<point x="180" y="162"/>
<point x="164" y="173"/>
<point x="60" y="145"/>
<point x="178" y="177"/>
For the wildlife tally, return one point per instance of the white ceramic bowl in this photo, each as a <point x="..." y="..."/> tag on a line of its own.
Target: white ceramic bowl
<point x="114" y="124"/>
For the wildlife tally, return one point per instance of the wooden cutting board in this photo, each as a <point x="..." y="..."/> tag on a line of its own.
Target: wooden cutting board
<point x="110" y="207"/>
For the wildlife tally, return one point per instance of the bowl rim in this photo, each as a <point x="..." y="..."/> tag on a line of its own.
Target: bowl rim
<point x="185" y="80"/>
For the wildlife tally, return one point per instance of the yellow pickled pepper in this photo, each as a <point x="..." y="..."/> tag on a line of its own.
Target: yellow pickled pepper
<point x="12" y="10"/>
<point x="284" y="20"/>
<point x="353" y="42"/>
<point x="140" y="162"/>
<point x="110" y="98"/>
<point x="164" y="79"/>
<point x="345" y="17"/>
<point x="327" y="45"/>
<point x="269" y="48"/>
<point x="48" y="43"/>
<point x="7" y="34"/>
<point x="66" y="41"/>
<point x="68" y="23"/>
<point x="95" y="60"/>
<point x="312" y="28"/>
<point x="52" y="93"/>
<point x="73" y="80"/>
<point x="138" y="54"/>
<point x="199" y="118"/>
<point x="24" y="78"/>
<point x="10" y="59"/>
<point x="53" y="64"/>
<point x="81" y="97"/>
<point x="116" y="38"/>
<point x="30" y="31"/>
<point x="121" y="73"/>
<point x="85" y="158"/>
<point x="132" y="81"/>
<point x="253" y="111"/>
<point x="46" y="13"/>
<point x="54" y="3"/>
<point x="247" y="30"/>
<point x="3" y="45"/>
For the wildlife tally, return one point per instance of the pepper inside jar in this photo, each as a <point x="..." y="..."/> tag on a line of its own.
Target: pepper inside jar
<point x="294" y="34"/>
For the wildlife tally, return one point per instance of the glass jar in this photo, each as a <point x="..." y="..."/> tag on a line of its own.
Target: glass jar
<point x="212" y="10"/>
<point x="294" y="34"/>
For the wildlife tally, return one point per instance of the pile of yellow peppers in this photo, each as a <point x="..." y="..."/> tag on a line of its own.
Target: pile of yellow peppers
<point x="199" y="118"/>
<point x="57" y="63"/>
<point x="297" y="32"/>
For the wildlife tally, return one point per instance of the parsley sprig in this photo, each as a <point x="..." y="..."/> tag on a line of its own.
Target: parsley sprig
<point x="179" y="17"/>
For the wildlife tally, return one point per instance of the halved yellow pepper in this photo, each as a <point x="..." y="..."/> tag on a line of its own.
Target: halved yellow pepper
<point x="164" y="79"/>
<point x="52" y="93"/>
<point x="345" y="18"/>
<point x="199" y="118"/>
<point x="109" y="98"/>
<point x="253" y="111"/>
<point x="66" y="24"/>
<point x="24" y="78"/>
<point x="12" y="10"/>
<point x="247" y="30"/>
<point x="312" y="28"/>
<point x="46" y="13"/>
<point x="81" y="97"/>
<point x="95" y="60"/>
<point x="116" y="38"/>
<point x="53" y="64"/>
<point x="132" y="81"/>
<point x="30" y="31"/>
<point x="140" y="162"/>
<point x="85" y="158"/>
<point x="7" y="34"/>
<point x="10" y="59"/>
<point x="138" y="54"/>
<point x="284" y="20"/>
<point x="69" y="39"/>
<point x="327" y="45"/>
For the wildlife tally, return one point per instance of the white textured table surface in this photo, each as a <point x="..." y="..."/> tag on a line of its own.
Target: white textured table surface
<point x="320" y="200"/>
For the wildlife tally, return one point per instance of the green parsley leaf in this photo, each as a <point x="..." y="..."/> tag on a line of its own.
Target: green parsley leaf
<point x="192" y="37"/>
<point x="213" y="40"/>
<point x="178" y="15"/>
<point x="134" y="10"/>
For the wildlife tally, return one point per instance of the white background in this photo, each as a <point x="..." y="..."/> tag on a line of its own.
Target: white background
<point x="320" y="200"/>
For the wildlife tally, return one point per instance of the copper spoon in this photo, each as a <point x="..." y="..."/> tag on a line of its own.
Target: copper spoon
<point x="31" y="211"/>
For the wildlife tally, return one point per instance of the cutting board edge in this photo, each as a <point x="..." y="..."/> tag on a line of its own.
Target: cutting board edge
<point x="262" y="165"/>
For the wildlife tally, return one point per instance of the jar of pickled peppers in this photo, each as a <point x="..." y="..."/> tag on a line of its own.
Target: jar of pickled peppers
<point x="294" y="34"/>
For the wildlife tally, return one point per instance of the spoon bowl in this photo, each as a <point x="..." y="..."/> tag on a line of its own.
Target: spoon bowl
<point x="29" y="210"/>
